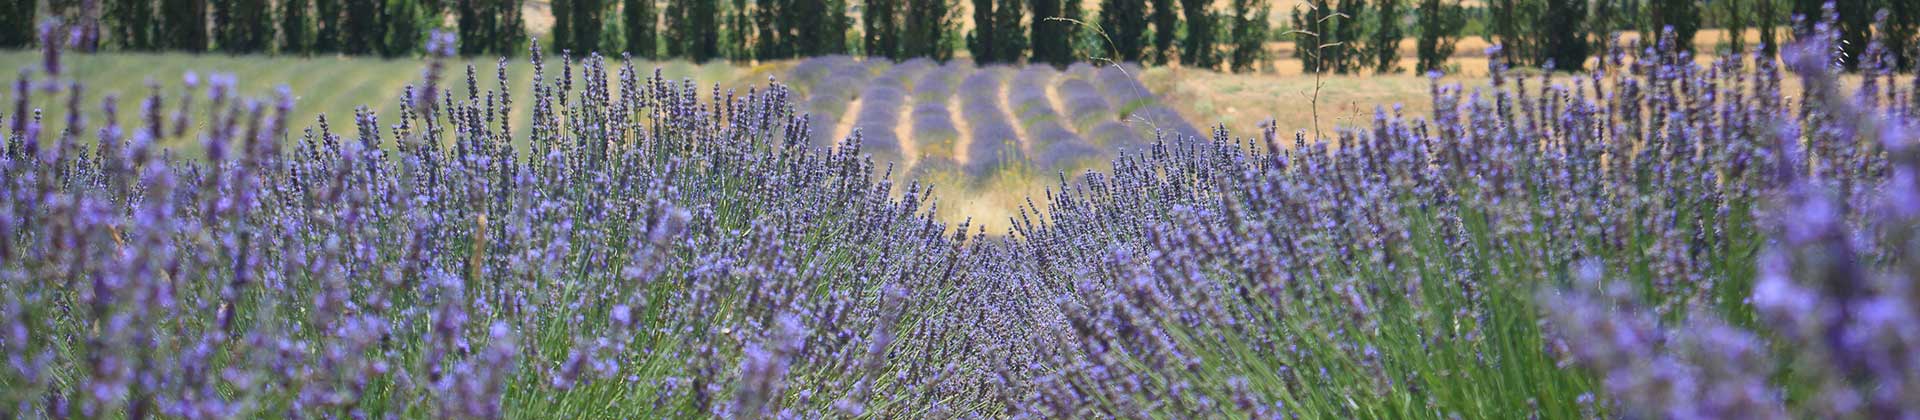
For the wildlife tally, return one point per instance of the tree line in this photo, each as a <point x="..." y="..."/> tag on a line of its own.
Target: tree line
<point x="1335" y="36"/>
<point x="1056" y="32"/>
<point x="1351" y="36"/>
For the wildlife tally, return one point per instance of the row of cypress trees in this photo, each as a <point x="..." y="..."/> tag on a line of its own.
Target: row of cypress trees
<point x="359" y="27"/>
<point x="1349" y="36"/>
<point x="1003" y="31"/>
<point x="1042" y="31"/>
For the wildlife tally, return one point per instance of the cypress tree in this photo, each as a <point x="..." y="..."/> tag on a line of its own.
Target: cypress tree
<point x="1052" y="39"/>
<point x="1440" y="24"/>
<point x="361" y="32"/>
<point x="562" y="25"/>
<point x="692" y="27"/>
<point x="401" y="29"/>
<point x="1125" y="22"/>
<point x="1681" y="15"/>
<point x="476" y="26"/>
<point x="815" y="27"/>
<point x="1903" y="25"/>
<point x="1856" y="27"/>
<point x="1383" y="47"/>
<point x="880" y="20"/>
<point x="928" y="22"/>
<point x="1249" y="35"/>
<point x="1565" y="43"/>
<point x="1309" y="30"/>
<point x="739" y="30"/>
<point x="1508" y="27"/>
<point x="981" y="42"/>
<point x="1766" y="15"/>
<point x="640" y="21"/>
<point x="1009" y="34"/>
<point x="1198" y="50"/>
<point x="16" y="23"/>
<point x="296" y="30"/>
<point x="587" y="23"/>
<point x="130" y="23"/>
<point x="184" y="24"/>
<point x="1165" y="30"/>
<point x="245" y="26"/>
<point x="329" y="18"/>
<point x="1344" y="57"/>
<point x="1736" y="25"/>
<point x="771" y="40"/>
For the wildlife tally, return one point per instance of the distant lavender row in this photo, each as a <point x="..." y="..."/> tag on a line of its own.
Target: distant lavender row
<point x="995" y="143"/>
<point x="1143" y="110"/>
<point x="834" y="83"/>
<point x="934" y="132"/>
<point x="880" y="105"/>
<point x="1056" y="147"/>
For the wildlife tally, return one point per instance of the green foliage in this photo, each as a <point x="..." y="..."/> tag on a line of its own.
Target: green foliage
<point x="329" y="20"/>
<point x="693" y="29"/>
<point x="243" y="26"/>
<point x="577" y="25"/>
<point x="1345" y="57"/>
<point x="1734" y="19"/>
<point x="771" y="40"/>
<point x="641" y="22"/>
<point x="129" y="22"/>
<point x="490" y="27"/>
<point x="1856" y="26"/>
<point x="184" y="25"/>
<point x="1198" y="50"/>
<point x="362" y="33"/>
<point x="997" y="35"/>
<point x="1440" y="24"/>
<point x="1125" y="22"/>
<point x="1902" y="28"/>
<point x="880" y="24"/>
<point x="739" y="30"/>
<point x="1766" y="17"/>
<point x="1051" y="37"/>
<point x="16" y="23"/>
<point x="828" y="37"/>
<point x="1166" y="22"/>
<point x="402" y="30"/>
<point x="1249" y="34"/>
<point x="296" y="28"/>
<point x="1382" y="50"/>
<point x="927" y="24"/>
<point x="1565" y="44"/>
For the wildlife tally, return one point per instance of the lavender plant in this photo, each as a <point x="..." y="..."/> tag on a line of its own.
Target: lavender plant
<point x="1658" y="238"/>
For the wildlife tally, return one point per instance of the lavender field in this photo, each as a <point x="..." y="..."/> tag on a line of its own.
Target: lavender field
<point x="1654" y="239"/>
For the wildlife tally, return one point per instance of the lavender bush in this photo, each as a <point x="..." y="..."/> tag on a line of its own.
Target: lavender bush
<point x="1655" y="239"/>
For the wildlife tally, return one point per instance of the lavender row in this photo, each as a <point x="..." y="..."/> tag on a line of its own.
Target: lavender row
<point x="1142" y="109"/>
<point x="934" y="132"/>
<point x="995" y="144"/>
<point x="880" y="104"/>
<point x="835" y="82"/>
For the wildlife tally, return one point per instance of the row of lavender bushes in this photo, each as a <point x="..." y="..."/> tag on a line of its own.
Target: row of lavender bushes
<point x="1655" y="239"/>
